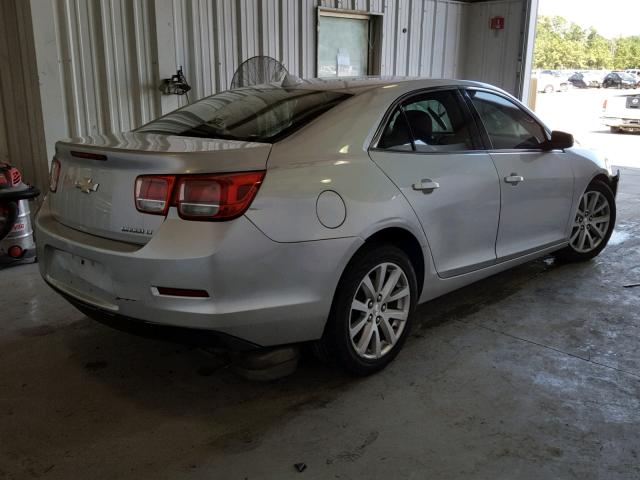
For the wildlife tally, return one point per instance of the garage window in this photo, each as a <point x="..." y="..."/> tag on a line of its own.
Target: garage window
<point x="345" y="43"/>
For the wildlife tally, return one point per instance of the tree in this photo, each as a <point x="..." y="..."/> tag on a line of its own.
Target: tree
<point x="561" y="44"/>
<point x="627" y="53"/>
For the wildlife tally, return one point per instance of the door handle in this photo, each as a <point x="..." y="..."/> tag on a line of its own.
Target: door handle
<point x="426" y="185"/>
<point x="514" y="179"/>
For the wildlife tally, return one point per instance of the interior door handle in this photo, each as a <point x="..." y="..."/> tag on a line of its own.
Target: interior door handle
<point x="514" y="179"/>
<point x="426" y="185"/>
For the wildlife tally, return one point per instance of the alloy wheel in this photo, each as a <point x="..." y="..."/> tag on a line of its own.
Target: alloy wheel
<point x="379" y="311"/>
<point x="592" y="221"/>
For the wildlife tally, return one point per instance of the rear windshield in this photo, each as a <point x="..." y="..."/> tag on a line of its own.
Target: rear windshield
<point x="256" y="114"/>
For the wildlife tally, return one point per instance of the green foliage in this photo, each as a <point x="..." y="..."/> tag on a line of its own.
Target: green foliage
<point x="561" y="44"/>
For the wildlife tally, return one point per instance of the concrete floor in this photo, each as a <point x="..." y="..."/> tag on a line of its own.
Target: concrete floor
<point x="532" y="374"/>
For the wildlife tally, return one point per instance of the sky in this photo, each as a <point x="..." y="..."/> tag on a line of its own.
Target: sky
<point x="612" y="18"/>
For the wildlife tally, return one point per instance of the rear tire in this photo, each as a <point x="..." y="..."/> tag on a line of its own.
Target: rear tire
<point x="549" y="89"/>
<point x="593" y="224"/>
<point x="372" y="311"/>
<point x="615" y="130"/>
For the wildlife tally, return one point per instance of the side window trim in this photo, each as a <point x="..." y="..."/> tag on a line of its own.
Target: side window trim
<point x="476" y="136"/>
<point x="485" y="141"/>
<point x="485" y="134"/>
<point x="411" y="136"/>
<point x="400" y="102"/>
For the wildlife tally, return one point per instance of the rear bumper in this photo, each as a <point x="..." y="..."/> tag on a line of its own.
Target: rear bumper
<point x="262" y="292"/>
<point x="190" y="336"/>
<point x="629" y="124"/>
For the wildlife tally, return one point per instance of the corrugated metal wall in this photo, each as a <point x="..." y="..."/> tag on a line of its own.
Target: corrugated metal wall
<point x="111" y="54"/>
<point x="492" y="56"/>
<point x="21" y="128"/>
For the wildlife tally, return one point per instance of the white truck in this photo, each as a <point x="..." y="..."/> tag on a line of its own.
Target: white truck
<point x="621" y="113"/>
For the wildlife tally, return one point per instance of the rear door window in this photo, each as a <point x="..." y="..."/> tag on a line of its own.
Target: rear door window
<point x="438" y="122"/>
<point x="429" y="122"/>
<point x="396" y="135"/>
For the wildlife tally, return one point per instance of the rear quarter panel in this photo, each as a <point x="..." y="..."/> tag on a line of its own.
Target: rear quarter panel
<point x="331" y="153"/>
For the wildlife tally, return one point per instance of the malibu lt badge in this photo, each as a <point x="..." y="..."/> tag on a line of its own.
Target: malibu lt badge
<point x="140" y="231"/>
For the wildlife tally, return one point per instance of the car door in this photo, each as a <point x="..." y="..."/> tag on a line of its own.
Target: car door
<point x="536" y="185"/>
<point x="428" y="146"/>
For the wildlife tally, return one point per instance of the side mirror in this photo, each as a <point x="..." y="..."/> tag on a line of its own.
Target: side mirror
<point x="559" y="141"/>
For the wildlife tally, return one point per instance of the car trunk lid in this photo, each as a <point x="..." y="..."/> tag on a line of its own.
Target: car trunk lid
<point x="95" y="191"/>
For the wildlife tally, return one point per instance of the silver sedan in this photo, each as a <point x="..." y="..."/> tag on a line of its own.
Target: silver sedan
<point x="322" y="212"/>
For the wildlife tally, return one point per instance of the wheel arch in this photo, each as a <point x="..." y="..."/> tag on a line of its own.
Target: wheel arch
<point x="402" y="238"/>
<point x="601" y="177"/>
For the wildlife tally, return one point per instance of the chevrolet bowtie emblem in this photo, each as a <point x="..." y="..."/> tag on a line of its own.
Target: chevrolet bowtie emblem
<point x="86" y="185"/>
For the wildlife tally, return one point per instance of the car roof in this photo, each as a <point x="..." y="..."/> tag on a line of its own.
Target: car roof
<point x="358" y="85"/>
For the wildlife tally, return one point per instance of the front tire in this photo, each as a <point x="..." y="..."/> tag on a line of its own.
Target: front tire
<point x="593" y="224"/>
<point x="371" y="313"/>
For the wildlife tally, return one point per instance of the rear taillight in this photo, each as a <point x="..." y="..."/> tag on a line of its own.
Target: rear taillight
<point x="198" y="197"/>
<point x="54" y="174"/>
<point x="216" y="197"/>
<point x="153" y="193"/>
<point x="604" y="105"/>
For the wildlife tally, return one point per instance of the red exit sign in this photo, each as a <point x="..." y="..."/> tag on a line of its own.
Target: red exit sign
<point x="497" y="23"/>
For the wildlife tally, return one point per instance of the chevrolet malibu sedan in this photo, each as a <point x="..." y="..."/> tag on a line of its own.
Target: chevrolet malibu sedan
<point x="322" y="212"/>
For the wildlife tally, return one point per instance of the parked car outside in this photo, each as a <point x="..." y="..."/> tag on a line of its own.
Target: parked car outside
<point x="621" y="113"/>
<point x="549" y="83"/>
<point x="587" y="79"/>
<point x="578" y="80"/>
<point x="320" y="213"/>
<point x="619" y="80"/>
<point x="636" y="77"/>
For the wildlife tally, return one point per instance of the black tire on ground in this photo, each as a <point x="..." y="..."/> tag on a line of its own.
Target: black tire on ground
<point x="335" y="346"/>
<point x="615" y="130"/>
<point x="569" y="254"/>
<point x="549" y="89"/>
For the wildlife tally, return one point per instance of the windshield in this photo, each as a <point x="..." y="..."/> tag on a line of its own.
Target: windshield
<point x="264" y="113"/>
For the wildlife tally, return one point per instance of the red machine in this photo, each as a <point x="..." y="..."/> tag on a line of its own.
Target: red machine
<point x="16" y="234"/>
